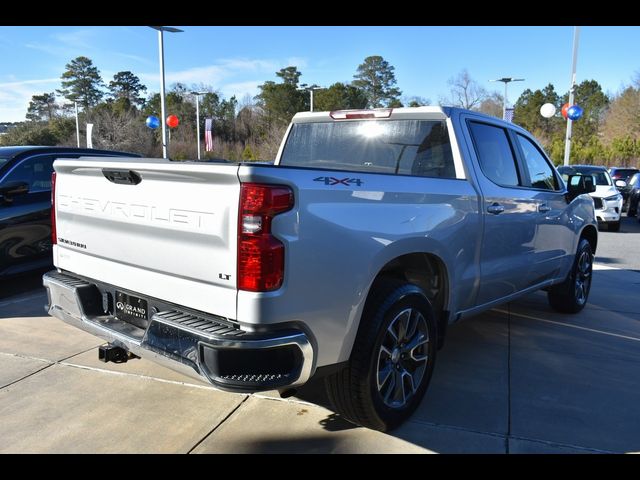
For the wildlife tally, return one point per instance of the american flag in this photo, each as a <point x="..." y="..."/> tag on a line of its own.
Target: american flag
<point x="208" y="135"/>
<point x="508" y="114"/>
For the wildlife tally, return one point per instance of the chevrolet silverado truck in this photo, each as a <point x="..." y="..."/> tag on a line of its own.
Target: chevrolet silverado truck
<point x="344" y="260"/>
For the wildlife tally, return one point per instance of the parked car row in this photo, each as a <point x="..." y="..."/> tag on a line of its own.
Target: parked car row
<point x="25" y="203"/>
<point x="632" y="191"/>
<point x="607" y="199"/>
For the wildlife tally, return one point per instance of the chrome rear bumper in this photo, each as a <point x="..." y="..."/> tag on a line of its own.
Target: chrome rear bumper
<point x="196" y="345"/>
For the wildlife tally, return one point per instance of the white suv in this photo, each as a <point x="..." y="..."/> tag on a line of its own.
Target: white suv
<point x="607" y="200"/>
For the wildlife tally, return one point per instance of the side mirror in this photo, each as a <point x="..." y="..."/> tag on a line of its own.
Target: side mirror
<point x="12" y="189"/>
<point x="579" y="184"/>
<point x="621" y="183"/>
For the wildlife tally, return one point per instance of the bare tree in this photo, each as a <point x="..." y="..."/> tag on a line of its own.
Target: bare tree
<point x="120" y="131"/>
<point x="465" y="92"/>
<point x="492" y="104"/>
<point x="623" y="116"/>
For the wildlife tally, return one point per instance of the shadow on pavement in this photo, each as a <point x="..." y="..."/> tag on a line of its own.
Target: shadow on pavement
<point x="23" y="283"/>
<point x="521" y="374"/>
<point x="299" y="444"/>
<point x="545" y="380"/>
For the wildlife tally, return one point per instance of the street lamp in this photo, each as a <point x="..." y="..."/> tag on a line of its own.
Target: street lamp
<point x="567" y="140"/>
<point x="161" y="30"/>
<point x="504" y="103"/>
<point x="311" y="89"/>
<point x="197" y="94"/>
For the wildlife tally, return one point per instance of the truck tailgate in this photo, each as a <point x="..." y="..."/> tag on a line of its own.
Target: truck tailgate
<point x="168" y="230"/>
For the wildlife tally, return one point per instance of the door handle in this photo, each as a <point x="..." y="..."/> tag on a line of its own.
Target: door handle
<point x="544" y="208"/>
<point x="496" y="209"/>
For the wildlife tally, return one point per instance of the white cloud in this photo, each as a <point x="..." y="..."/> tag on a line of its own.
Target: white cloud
<point x="15" y="96"/>
<point x="137" y="58"/>
<point x="78" y="38"/>
<point x="51" y="49"/>
<point x="229" y="75"/>
<point x="215" y="74"/>
<point x="241" y="89"/>
<point x="66" y="44"/>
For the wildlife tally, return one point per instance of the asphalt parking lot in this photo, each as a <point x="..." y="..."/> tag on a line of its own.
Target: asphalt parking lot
<point x="518" y="379"/>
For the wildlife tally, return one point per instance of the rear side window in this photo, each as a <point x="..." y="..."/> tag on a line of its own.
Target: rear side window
<point x="406" y="147"/>
<point x="36" y="172"/>
<point x="495" y="154"/>
<point x="623" y="173"/>
<point x="540" y="172"/>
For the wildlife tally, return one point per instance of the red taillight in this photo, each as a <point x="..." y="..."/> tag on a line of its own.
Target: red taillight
<point x="260" y="254"/>
<point x="54" y="236"/>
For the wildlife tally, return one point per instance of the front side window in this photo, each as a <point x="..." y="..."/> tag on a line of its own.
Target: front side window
<point x="406" y="147"/>
<point x="540" y="172"/>
<point x="36" y="172"/>
<point x="495" y="154"/>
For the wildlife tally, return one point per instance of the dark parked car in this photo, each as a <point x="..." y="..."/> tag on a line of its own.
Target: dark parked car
<point x="25" y="203"/>
<point x="624" y="174"/>
<point x="633" y="195"/>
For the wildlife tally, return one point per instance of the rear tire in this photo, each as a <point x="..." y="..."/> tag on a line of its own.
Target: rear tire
<point x="614" y="226"/>
<point x="571" y="295"/>
<point x="392" y="358"/>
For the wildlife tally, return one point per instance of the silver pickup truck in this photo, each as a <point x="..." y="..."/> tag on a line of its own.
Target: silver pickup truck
<point x="345" y="260"/>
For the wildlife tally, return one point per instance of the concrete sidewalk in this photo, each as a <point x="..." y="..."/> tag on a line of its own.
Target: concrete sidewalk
<point x="521" y="378"/>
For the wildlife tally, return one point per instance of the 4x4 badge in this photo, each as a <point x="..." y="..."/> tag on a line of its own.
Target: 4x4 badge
<point x="339" y="181"/>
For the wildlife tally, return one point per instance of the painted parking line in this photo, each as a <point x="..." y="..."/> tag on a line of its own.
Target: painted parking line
<point x="577" y="327"/>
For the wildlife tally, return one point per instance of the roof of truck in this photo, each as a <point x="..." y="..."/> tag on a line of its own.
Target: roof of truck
<point x="395" y="112"/>
<point x="404" y="113"/>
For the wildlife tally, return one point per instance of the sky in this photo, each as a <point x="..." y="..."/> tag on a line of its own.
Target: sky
<point x="235" y="59"/>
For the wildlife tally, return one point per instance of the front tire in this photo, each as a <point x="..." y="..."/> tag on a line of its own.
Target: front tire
<point x="614" y="226"/>
<point x="571" y="295"/>
<point x="392" y="359"/>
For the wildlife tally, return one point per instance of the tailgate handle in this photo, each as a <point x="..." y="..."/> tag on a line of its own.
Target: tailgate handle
<point x="123" y="177"/>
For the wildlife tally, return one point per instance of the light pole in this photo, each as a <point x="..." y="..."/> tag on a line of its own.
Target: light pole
<point x="506" y="80"/>
<point x="77" y="124"/>
<point x="161" y="30"/>
<point x="311" y="96"/>
<point x="311" y="89"/>
<point x="197" y="94"/>
<point x="567" y="141"/>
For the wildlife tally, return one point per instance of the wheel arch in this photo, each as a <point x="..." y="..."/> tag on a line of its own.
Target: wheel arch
<point x="591" y="234"/>
<point x="429" y="272"/>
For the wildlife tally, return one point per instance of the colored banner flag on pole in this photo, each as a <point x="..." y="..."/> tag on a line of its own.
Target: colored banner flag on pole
<point x="89" y="133"/>
<point x="208" y="135"/>
<point x="508" y="114"/>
